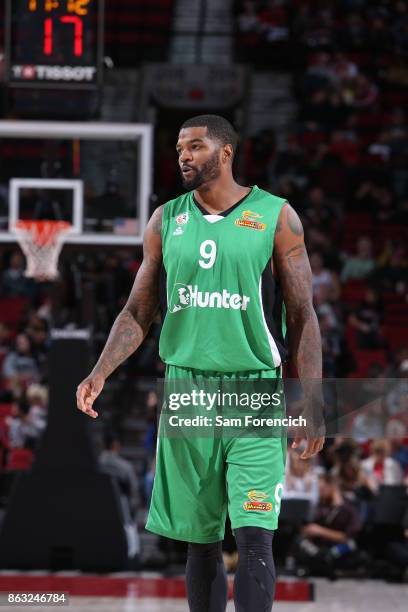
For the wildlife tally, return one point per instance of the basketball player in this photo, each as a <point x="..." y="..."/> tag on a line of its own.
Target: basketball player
<point x="226" y="251"/>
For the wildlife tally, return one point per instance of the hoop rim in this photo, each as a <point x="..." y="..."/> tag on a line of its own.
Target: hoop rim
<point x="42" y="231"/>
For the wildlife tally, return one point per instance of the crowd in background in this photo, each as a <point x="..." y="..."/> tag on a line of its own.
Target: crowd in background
<point x="344" y="168"/>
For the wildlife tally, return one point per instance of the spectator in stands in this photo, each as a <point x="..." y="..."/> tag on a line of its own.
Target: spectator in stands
<point x="344" y="70"/>
<point x="361" y="264"/>
<point x="399" y="452"/>
<point x="19" y="367"/>
<point x="331" y="340"/>
<point x="248" y="20"/>
<point x="330" y="537"/>
<point x="273" y="21"/>
<point x="364" y="198"/>
<point x="367" y="319"/>
<point x="384" y="206"/>
<point x="37" y="331"/>
<point x="37" y="399"/>
<point x="319" y="212"/>
<point x="393" y="266"/>
<point x="364" y="92"/>
<point x="350" y="477"/>
<point x="112" y="463"/>
<point x="370" y="422"/>
<point x="13" y="282"/>
<point x="325" y="282"/>
<point x="319" y="73"/>
<point x="24" y="430"/>
<point x="380" y="468"/>
<point x="399" y="392"/>
<point x="291" y="162"/>
<point x="302" y="479"/>
<point x="122" y="471"/>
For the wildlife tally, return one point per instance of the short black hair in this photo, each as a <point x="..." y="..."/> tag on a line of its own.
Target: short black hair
<point x="218" y="128"/>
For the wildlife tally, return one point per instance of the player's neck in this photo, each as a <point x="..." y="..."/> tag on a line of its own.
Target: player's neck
<point x="220" y="195"/>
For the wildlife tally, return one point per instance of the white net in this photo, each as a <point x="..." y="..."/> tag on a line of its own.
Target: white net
<point x="41" y="243"/>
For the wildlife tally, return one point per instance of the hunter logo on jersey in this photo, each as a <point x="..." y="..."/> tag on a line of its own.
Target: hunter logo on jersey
<point x="250" y="219"/>
<point x="188" y="296"/>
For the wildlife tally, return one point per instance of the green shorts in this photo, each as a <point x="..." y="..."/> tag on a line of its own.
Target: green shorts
<point x="198" y="479"/>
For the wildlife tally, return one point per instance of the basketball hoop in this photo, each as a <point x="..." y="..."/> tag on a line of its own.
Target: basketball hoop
<point x="41" y="242"/>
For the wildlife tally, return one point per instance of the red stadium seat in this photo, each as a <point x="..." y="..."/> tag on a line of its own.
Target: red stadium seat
<point x="367" y="358"/>
<point x="20" y="459"/>
<point x="353" y="291"/>
<point x="12" y="309"/>
<point x="5" y="410"/>
<point x="396" y="336"/>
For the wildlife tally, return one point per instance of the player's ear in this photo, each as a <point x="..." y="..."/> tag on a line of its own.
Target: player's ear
<point x="227" y="153"/>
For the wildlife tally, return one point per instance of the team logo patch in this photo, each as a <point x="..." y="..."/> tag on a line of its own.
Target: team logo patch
<point x="257" y="495"/>
<point x="257" y="502"/>
<point x="181" y="298"/>
<point x="182" y="219"/>
<point x="249" y="219"/>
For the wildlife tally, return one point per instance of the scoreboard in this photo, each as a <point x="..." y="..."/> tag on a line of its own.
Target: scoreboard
<point x="54" y="43"/>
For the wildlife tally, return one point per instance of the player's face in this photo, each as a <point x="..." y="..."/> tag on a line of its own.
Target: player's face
<point x="199" y="157"/>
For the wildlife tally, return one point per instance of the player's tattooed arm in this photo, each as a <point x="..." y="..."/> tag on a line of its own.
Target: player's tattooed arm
<point x="291" y="265"/>
<point x="133" y="322"/>
<point x="293" y="269"/>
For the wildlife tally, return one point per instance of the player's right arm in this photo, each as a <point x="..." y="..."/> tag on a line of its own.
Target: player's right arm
<point x="133" y="322"/>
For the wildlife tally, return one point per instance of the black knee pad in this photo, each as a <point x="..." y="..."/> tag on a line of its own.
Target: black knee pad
<point x="254" y="585"/>
<point x="206" y="580"/>
<point x="254" y="537"/>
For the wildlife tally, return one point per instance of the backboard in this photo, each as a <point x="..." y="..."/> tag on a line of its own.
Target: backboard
<point x="97" y="176"/>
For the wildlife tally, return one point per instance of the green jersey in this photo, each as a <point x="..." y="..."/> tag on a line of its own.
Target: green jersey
<point x="223" y="309"/>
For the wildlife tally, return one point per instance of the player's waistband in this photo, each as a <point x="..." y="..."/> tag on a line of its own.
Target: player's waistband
<point x="181" y="372"/>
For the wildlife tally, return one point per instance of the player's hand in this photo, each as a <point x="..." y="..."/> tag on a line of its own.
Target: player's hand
<point x="312" y="430"/>
<point x="313" y="446"/>
<point x="87" y="392"/>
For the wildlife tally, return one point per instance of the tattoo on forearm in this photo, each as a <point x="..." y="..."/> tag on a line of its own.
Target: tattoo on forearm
<point x="133" y="323"/>
<point x="299" y="248"/>
<point x="303" y="328"/>
<point x="125" y="337"/>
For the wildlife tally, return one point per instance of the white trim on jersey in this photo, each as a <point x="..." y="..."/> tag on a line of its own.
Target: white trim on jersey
<point x="272" y="344"/>
<point x="213" y="218"/>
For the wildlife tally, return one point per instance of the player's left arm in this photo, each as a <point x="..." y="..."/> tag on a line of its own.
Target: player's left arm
<point x="291" y="265"/>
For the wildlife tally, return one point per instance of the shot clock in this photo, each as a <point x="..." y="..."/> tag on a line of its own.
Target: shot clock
<point x="54" y="43"/>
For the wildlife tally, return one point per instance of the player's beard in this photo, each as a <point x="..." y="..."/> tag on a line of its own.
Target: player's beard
<point x="208" y="172"/>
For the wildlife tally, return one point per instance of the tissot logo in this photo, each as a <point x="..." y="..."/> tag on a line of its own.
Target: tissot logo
<point x="54" y="73"/>
<point x="188" y="296"/>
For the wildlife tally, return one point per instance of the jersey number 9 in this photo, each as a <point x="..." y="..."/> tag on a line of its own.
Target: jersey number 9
<point x="208" y="252"/>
